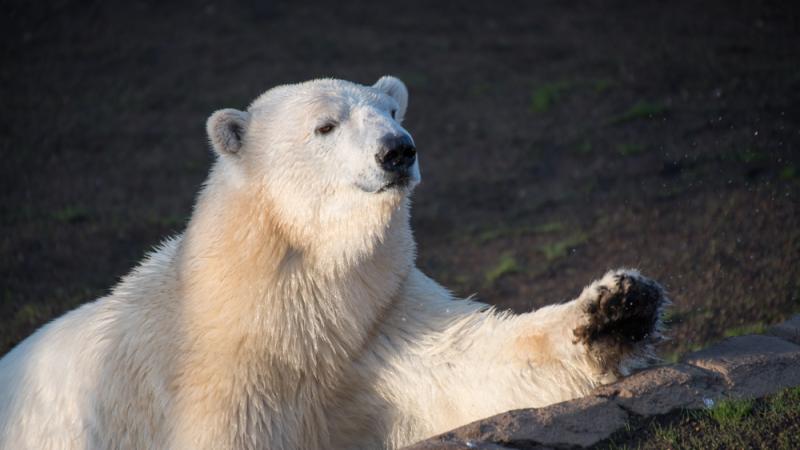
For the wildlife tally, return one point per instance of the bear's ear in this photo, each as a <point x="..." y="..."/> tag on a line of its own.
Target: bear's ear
<point x="226" y="129"/>
<point x="396" y="89"/>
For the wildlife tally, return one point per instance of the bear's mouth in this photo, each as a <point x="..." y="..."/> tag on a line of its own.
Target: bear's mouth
<point x="398" y="183"/>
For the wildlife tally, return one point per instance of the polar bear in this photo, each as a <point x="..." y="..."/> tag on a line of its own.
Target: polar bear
<point x="290" y="315"/>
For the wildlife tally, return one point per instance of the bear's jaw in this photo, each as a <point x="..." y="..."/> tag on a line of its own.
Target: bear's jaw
<point x="401" y="184"/>
<point x="365" y="236"/>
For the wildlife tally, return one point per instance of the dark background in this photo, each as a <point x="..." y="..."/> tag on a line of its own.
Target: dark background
<point x="557" y="139"/>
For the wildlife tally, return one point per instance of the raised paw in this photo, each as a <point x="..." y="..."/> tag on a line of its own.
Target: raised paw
<point x="623" y="320"/>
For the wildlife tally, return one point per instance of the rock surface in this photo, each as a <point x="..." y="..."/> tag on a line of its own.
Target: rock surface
<point x="579" y="422"/>
<point x="752" y="366"/>
<point x="745" y="366"/>
<point x="789" y="330"/>
<point x="663" y="389"/>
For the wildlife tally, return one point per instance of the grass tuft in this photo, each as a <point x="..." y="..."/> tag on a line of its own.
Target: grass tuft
<point x="744" y="330"/>
<point x="730" y="412"/>
<point x="71" y="214"/>
<point x="627" y="149"/>
<point x="173" y="221"/>
<point x="788" y="173"/>
<point x="786" y="402"/>
<point x="585" y="147"/>
<point x="751" y="155"/>
<point x="559" y="249"/>
<point x="546" y="95"/>
<point x="641" y="110"/>
<point x="602" y="85"/>
<point x="666" y="434"/>
<point x="505" y="265"/>
<point x="29" y="314"/>
<point x="511" y="232"/>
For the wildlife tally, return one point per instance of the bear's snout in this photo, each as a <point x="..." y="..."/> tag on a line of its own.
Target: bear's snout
<point x="397" y="155"/>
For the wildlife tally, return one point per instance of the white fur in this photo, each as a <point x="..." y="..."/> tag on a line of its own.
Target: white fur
<point x="289" y="314"/>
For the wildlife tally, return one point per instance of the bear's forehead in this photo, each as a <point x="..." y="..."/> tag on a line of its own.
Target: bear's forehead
<point x="323" y="94"/>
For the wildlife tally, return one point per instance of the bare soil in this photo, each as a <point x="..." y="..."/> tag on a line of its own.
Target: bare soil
<point x="557" y="140"/>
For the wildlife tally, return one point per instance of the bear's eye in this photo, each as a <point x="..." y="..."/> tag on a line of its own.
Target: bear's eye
<point x="394" y="113"/>
<point x="325" y="129"/>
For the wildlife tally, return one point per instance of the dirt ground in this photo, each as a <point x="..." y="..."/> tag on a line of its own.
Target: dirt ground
<point x="557" y="140"/>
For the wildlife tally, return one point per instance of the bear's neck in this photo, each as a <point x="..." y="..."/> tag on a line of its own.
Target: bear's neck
<point x="252" y="298"/>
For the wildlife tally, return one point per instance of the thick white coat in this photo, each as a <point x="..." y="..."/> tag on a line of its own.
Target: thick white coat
<point x="289" y="314"/>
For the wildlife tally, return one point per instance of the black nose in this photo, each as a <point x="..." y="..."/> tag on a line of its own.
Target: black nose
<point x="397" y="155"/>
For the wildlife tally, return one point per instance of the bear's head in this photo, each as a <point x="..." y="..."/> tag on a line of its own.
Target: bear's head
<point x="325" y="155"/>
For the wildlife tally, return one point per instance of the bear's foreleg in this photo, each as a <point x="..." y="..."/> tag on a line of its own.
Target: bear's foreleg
<point x="448" y="362"/>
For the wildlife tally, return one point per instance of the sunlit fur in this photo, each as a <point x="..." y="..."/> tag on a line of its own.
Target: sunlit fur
<point x="289" y="314"/>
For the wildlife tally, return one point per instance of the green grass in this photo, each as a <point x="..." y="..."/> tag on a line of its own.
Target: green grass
<point x="584" y="148"/>
<point x="678" y="354"/>
<point x="173" y="221"/>
<point x="71" y="214"/>
<point x="506" y="265"/>
<point x="769" y="423"/>
<point x="480" y="89"/>
<point x="628" y="149"/>
<point x="786" y="401"/>
<point x="603" y="85"/>
<point x="751" y="155"/>
<point x="29" y="314"/>
<point x="548" y="227"/>
<point x="558" y="249"/>
<point x="666" y="434"/>
<point x="788" y="173"/>
<point x="546" y="95"/>
<point x="511" y="232"/>
<point x="730" y="412"/>
<point x="641" y="110"/>
<point x="753" y="328"/>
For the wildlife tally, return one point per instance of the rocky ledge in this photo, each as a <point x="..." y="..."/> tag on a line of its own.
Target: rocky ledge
<point x="738" y="367"/>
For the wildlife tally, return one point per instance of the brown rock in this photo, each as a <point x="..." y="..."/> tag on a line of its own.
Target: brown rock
<point x="789" y="330"/>
<point x="752" y="366"/>
<point x="579" y="422"/>
<point x="663" y="389"/>
<point x="455" y="444"/>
